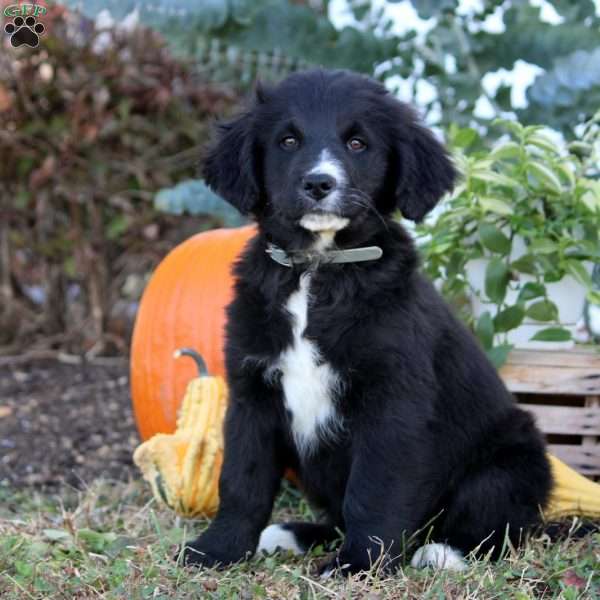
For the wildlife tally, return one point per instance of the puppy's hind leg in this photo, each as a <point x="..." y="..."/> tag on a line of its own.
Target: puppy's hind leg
<point x="295" y="537"/>
<point x="502" y="494"/>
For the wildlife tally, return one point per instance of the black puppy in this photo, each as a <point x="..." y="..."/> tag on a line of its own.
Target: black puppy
<point x="347" y="366"/>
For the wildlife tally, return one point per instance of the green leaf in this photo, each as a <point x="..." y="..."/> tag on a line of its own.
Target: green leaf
<point x="96" y="541"/>
<point x="543" y="246"/>
<point x="515" y="128"/>
<point x="439" y="248"/>
<point x="25" y="569"/>
<point x="509" y="318"/>
<point x="499" y="354"/>
<point x="580" y="149"/>
<point x="494" y="178"/>
<point x="544" y="310"/>
<point x="552" y="275"/>
<point x="552" y="334"/>
<point x="576" y="269"/>
<point x="56" y="534"/>
<point x="541" y="141"/>
<point x="531" y="290"/>
<point x="455" y="264"/>
<point x="484" y="329"/>
<point x="464" y="137"/>
<point x="591" y="194"/>
<point x="507" y="150"/>
<point x="524" y="264"/>
<point x="567" y="173"/>
<point x="121" y="545"/>
<point x="493" y="239"/>
<point x="545" y="176"/>
<point x="495" y="205"/>
<point x="496" y="280"/>
<point x="593" y="297"/>
<point x="117" y="227"/>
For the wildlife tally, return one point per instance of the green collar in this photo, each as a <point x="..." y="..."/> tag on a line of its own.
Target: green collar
<point x="299" y="257"/>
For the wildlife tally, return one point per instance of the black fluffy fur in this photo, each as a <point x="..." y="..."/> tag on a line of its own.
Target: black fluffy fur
<point x="429" y="430"/>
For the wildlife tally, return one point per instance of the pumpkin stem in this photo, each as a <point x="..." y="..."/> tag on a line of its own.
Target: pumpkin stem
<point x="202" y="369"/>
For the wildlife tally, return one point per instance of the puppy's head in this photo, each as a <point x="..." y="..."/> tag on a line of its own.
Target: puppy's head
<point x="324" y="149"/>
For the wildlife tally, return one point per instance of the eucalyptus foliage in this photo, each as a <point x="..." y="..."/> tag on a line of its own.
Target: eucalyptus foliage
<point x="238" y="40"/>
<point x="193" y="197"/>
<point x="529" y="191"/>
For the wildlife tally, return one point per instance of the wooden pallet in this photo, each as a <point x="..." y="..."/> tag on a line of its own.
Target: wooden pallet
<point x="562" y="390"/>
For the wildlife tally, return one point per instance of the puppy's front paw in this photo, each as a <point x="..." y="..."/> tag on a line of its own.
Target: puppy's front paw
<point x="199" y="554"/>
<point x="340" y="565"/>
<point x="193" y="554"/>
<point x="328" y="568"/>
<point x="349" y="563"/>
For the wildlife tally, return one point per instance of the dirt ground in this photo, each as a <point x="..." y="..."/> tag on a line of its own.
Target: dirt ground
<point x="65" y="423"/>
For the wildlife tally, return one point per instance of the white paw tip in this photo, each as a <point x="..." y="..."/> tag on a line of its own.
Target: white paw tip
<point x="275" y="538"/>
<point x="438" y="556"/>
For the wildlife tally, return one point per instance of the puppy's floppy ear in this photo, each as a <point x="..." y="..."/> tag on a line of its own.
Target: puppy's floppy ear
<point x="426" y="172"/>
<point x="231" y="163"/>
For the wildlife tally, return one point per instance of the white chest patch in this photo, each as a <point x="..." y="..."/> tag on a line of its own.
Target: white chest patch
<point x="308" y="387"/>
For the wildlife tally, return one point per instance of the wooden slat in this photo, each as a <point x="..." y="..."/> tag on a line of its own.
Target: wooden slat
<point x="573" y="372"/>
<point x="589" y="440"/>
<point x="568" y="372"/>
<point x="577" y="357"/>
<point x="566" y="420"/>
<point x="528" y="379"/>
<point x="585" y="459"/>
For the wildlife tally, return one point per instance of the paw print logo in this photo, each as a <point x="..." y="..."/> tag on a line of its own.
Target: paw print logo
<point x="24" y="32"/>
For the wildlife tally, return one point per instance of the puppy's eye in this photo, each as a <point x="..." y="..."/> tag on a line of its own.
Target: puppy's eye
<point x="356" y="145"/>
<point x="289" y="142"/>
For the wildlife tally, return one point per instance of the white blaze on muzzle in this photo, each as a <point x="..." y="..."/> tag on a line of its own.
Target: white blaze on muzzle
<point x="328" y="165"/>
<point x="326" y="224"/>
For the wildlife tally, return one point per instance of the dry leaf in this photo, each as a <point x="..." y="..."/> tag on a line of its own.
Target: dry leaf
<point x="6" y="99"/>
<point x="571" y="578"/>
<point x="5" y="411"/>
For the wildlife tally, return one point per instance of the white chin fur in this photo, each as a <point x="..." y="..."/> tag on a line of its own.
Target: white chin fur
<point x="318" y="222"/>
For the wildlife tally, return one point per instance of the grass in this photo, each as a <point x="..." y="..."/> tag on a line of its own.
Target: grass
<point x="112" y="541"/>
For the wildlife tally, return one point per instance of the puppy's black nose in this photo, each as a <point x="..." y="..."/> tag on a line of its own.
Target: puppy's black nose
<point x="318" y="185"/>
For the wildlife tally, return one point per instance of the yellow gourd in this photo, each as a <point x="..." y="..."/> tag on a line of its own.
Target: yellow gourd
<point x="573" y="494"/>
<point x="183" y="468"/>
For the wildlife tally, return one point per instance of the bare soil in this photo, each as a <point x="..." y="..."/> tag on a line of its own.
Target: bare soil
<point x="65" y="423"/>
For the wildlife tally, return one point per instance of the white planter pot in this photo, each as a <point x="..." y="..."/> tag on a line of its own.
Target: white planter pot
<point x="567" y="294"/>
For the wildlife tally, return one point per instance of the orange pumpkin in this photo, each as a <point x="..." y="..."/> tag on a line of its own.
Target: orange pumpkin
<point x="183" y="306"/>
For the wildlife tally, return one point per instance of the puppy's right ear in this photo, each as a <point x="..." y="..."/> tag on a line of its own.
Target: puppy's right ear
<point x="230" y="164"/>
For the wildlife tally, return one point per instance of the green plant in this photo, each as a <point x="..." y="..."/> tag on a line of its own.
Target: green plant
<point x="238" y="40"/>
<point x="93" y="124"/>
<point x="531" y="211"/>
